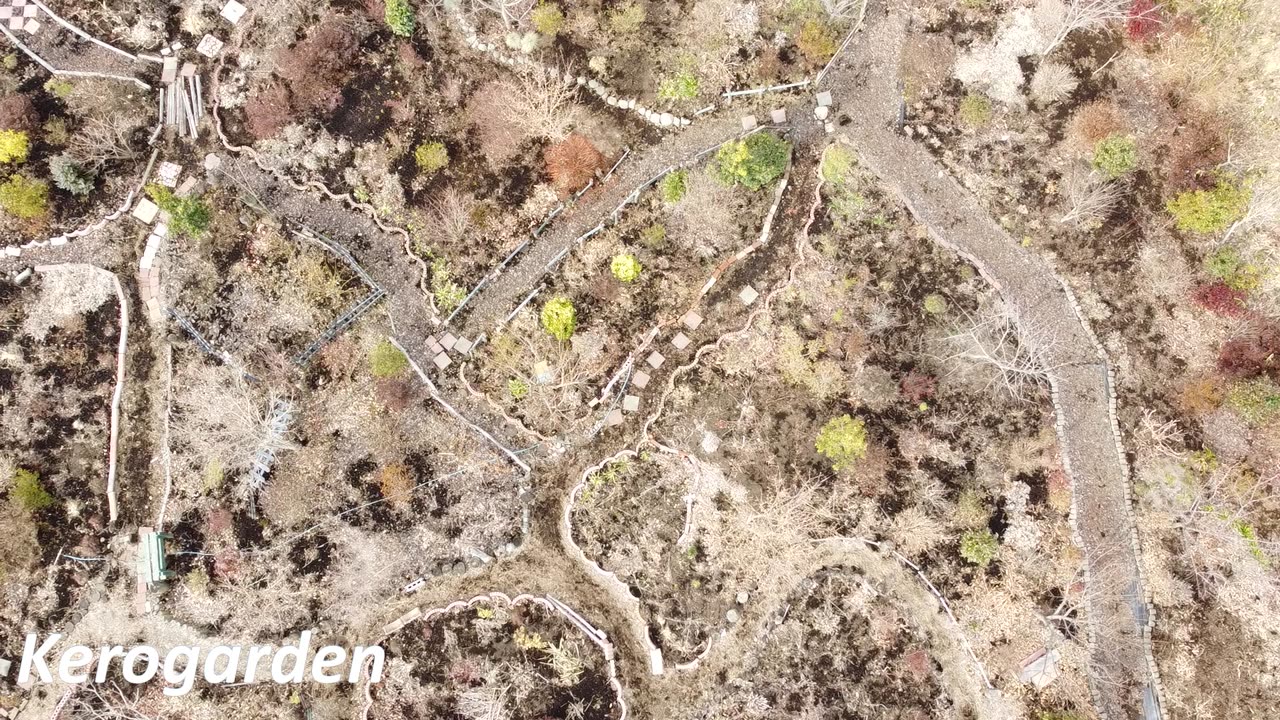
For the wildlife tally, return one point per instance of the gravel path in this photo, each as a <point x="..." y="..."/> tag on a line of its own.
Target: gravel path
<point x="866" y="85"/>
<point x="497" y="299"/>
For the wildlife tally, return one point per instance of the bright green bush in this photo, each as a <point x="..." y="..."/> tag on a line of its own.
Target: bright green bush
<point x="1115" y="155"/>
<point x="547" y="19"/>
<point x="1256" y="400"/>
<point x="559" y="317"/>
<point x="399" y="17"/>
<point x="24" y="198"/>
<point x="673" y="186"/>
<point x="1234" y="271"/>
<point x="29" y="493"/>
<point x="448" y="294"/>
<point x="753" y="162"/>
<point x="680" y="86"/>
<point x="59" y="88"/>
<point x="431" y="157"/>
<point x="15" y="145"/>
<point x="1210" y="211"/>
<point x="843" y="441"/>
<point x="70" y="175"/>
<point x="627" y="19"/>
<point x="979" y="547"/>
<point x="517" y="388"/>
<point x="625" y="267"/>
<point x="975" y="111"/>
<point x="837" y="164"/>
<point x="386" y="360"/>
<point x="188" y="216"/>
<point x="935" y="304"/>
<point x="817" y="42"/>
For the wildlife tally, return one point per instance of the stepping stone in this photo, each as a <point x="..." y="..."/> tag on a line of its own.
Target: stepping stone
<point x="681" y="341"/>
<point x="32" y="26"/>
<point x="209" y="46"/>
<point x="233" y="11"/>
<point x="630" y="403"/>
<point x="448" y="341"/>
<point x="613" y="418"/>
<point x="442" y="361"/>
<point x="168" y="174"/>
<point x="748" y="295"/>
<point x="655" y="360"/>
<point x="146" y="211"/>
<point x="778" y="116"/>
<point x="824" y="98"/>
<point x="748" y="122"/>
<point x="640" y="379"/>
<point x="160" y="230"/>
<point x="463" y="346"/>
<point x="691" y="320"/>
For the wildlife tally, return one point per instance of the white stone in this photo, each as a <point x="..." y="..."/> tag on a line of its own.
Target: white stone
<point x="743" y="597"/>
<point x="778" y="116"/>
<point x="212" y="161"/>
<point x="748" y="122"/>
<point x="58" y="241"/>
<point x="710" y="442"/>
<point x="748" y="295"/>
<point x="612" y="101"/>
<point x="146" y="211"/>
<point x="593" y="84"/>
<point x="13" y="251"/>
<point x="821" y="112"/>
<point x="209" y="46"/>
<point x="233" y="11"/>
<point x="630" y="403"/>
<point x="666" y="119"/>
<point x="582" y="80"/>
<point x="824" y="98"/>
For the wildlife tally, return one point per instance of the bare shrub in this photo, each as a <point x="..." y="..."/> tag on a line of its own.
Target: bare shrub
<point x="106" y="138"/>
<point x="318" y="66"/>
<point x="1052" y="82"/>
<point x="1093" y="122"/>
<point x="221" y="419"/>
<point x="572" y="163"/>
<point x="915" y="533"/>
<point x="1016" y="355"/>
<point x="1059" y="18"/>
<point x="66" y="292"/>
<point x="268" y="111"/>
<point x="1090" y="199"/>
<point x="540" y="106"/>
<point x="487" y="702"/>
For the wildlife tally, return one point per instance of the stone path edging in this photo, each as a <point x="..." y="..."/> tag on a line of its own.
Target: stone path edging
<point x="547" y="602"/>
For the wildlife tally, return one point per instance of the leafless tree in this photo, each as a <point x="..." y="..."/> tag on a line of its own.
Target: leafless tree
<point x="224" y="420"/>
<point x="1059" y="18"/>
<point x="1019" y="356"/>
<point x="103" y="139"/>
<point x="1090" y="198"/>
<point x="513" y="12"/>
<point x="541" y="105"/>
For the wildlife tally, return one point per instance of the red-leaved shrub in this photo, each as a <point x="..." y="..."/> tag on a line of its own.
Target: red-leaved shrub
<point x="1251" y="355"/>
<point x="267" y="111"/>
<point x="1220" y="299"/>
<point x="17" y="112"/>
<point x="1143" y="20"/>
<point x="572" y="163"/>
<point x="918" y="387"/>
<point x="317" y="67"/>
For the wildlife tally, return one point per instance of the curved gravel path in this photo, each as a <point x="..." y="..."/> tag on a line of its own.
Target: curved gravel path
<point x="1123" y="676"/>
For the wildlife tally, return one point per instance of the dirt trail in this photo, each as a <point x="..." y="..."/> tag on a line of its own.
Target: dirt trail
<point x="865" y="84"/>
<point x="501" y="296"/>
